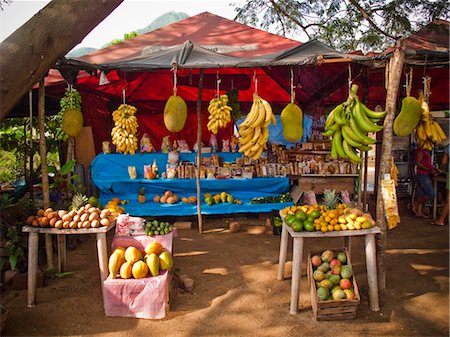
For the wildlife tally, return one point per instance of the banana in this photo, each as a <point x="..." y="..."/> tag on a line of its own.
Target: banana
<point x="348" y="138"/>
<point x="330" y="118"/>
<point x="261" y="114"/>
<point x="370" y="113"/>
<point x="353" y="156"/>
<point x="427" y="126"/>
<point x="358" y="133"/>
<point x="364" y="124"/>
<point x="441" y="132"/>
<point x="339" y="118"/>
<point x="331" y="130"/>
<point x="337" y="142"/>
<point x="256" y="134"/>
<point x="251" y="116"/>
<point x="334" y="154"/>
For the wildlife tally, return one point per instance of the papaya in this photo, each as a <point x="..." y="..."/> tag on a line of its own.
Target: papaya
<point x="132" y="254"/>
<point x="153" y="264"/>
<point x="153" y="247"/>
<point x="292" y="121"/>
<point x="72" y="122"/>
<point x="114" y="263"/>
<point x="139" y="269"/>
<point x="126" y="270"/>
<point x="408" y="118"/>
<point x="175" y="113"/>
<point x="165" y="260"/>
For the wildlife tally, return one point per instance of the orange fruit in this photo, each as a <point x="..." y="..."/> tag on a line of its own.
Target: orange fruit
<point x="317" y="227"/>
<point x="330" y="228"/>
<point x="324" y="229"/>
<point x="337" y="227"/>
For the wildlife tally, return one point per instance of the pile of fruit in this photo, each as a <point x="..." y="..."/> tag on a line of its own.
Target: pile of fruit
<point x="219" y="113"/>
<point x="130" y="262"/>
<point x="124" y="132"/>
<point x="114" y="208"/>
<point x="86" y="216"/>
<point x="189" y="200"/>
<point x="155" y="227"/>
<point x="321" y="218"/>
<point x="332" y="276"/>
<point x="348" y="124"/>
<point x="254" y="130"/>
<point x="283" y="197"/>
<point x="167" y="198"/>
<point x="223" y="197"/>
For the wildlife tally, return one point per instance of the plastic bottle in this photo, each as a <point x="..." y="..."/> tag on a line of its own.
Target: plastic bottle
<point x="155" y="168"/>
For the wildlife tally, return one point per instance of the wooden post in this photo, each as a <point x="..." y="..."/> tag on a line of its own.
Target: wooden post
<point x="360" y="180"/>
<point x="395" y="72"/>
<point x="199" y="151"/>
<point x="44" y="168"/>
<point x="365" y="92"/>
<point x="30" y="182"/>
<point x="366" y="162"/>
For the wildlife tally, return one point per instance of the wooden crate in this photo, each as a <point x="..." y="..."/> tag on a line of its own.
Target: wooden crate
<point x="332" y="310"/>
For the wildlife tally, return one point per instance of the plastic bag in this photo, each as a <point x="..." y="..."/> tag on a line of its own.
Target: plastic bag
<point x="345" y="196"/>
<point x="309" y="198"/>
<point x="213" y="143"/>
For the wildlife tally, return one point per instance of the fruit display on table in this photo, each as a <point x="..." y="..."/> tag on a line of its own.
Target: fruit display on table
<point x="348" y="124"/>
<point x="131" y="263"/>
<point x="320" y="218"/>
<point x="219" y="198"/>
<point x="167" y="198"/>
<point x="284" y="197"/>
<point x="114" y="208"/>
<point x="189" y="200"/>
<point x="155" y="227"/>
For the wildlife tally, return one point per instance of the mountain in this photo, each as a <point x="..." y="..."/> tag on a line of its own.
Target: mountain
<point x="161" y="21"/>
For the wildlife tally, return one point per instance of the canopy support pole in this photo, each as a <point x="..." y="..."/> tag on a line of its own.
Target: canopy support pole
<point x="44" y="168"/>
<point x="395" y="73"/>
<point x="199" y="152"/>
<point x="30" y="177"/>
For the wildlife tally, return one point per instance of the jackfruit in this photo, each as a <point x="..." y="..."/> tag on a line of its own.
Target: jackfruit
<point x="408" y="118"/>
<point x="292" y="121"/>
<point x="72" y="122"/>
<point x="175" y="113"/>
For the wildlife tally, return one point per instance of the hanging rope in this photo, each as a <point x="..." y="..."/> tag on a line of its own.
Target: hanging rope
<point x="349" y="77"/>
<point x="123" y="96"/>
<point x="174" y="69"/>
<point x="408" y="82"/>
<point x="255" y="81"/>
<point x="218" y="81"/>
<point x="426" y="88"/>
<point x="292" y="86"/>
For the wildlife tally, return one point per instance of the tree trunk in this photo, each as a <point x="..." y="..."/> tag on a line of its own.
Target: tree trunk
<point x="44" y="168"/>
<point x="395" y="72"/>
<point x="31" y="50"/>
<point x="199" y="152"/>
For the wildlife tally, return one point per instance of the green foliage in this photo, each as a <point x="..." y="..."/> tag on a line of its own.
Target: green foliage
<point x="341" y="24"/>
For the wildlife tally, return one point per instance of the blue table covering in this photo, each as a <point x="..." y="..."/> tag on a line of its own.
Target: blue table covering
<point x="110" y="175"/>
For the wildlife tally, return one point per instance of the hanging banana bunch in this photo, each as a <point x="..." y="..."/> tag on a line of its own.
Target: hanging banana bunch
<point x="349" y="124"/>
<point x="219" y="113"/>
<point x="254" y="130"/>
<point x="124" y="132"/>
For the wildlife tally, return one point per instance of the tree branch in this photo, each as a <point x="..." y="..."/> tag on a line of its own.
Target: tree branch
<point x="371" y="22"/>
<point x="290" y="17"/>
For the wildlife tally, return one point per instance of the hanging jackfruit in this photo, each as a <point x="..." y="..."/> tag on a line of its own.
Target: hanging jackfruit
<point x="175" y="113"/>
<point x="292" y="121"/>
<point x="408" y="118"/>
<point x="72" y="121"/>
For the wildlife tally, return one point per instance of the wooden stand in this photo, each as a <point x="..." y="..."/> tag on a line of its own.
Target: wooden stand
<point x="298" y="240"/>
<point x="33" y="243"/>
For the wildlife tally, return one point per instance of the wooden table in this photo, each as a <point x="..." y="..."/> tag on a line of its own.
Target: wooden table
<point x="33" y="243"/>
<point x="319" y="182"/>
<point x="298" y="238"/>
<point x="437" y="179"/>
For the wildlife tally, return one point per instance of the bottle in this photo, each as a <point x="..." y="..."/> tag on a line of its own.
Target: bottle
<point x="155" y="168"/>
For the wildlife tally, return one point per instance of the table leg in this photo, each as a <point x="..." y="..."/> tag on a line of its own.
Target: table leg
<point x="33" y="243"/>
<point x="296" y="274"/>
<point x="371" y="264"/>
<point x="61" y="253"/>
<point x="283" y="251"/>
<point x="102" y="256"/>
<point x="435" y="200"/>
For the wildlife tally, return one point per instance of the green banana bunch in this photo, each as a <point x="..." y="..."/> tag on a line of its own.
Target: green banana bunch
<point x="348" y="124"/>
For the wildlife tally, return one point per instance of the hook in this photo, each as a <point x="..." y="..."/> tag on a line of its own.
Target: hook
<point x="174" y="69"/>
<point x="123" y="96"/>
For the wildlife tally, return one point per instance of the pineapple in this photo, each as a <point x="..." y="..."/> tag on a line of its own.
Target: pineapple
<point x="330" y="198"/>
<point x="141" y="196"/>
<point x="78" y="200"/>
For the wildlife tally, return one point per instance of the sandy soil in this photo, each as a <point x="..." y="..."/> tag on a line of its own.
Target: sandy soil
<point x="248" y="300"/>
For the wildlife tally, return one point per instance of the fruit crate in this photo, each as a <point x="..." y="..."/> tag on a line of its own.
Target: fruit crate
<point x="332" y="310"/>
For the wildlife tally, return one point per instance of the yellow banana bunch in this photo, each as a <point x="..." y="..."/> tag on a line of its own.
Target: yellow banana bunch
<point x="125" y="127"/>
<point x="428" y="132"/>
<point x="254" y="130"/>
<point x="219" y="113"/>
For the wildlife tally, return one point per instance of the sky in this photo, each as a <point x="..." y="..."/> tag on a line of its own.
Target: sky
<point x="129" y="16"/>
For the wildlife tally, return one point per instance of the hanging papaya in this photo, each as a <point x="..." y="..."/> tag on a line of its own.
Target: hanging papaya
<point x="175" y="113"/>
<point x="292" y="121"/>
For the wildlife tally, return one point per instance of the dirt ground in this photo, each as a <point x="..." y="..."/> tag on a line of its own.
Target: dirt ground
<point x="248" y="300"/>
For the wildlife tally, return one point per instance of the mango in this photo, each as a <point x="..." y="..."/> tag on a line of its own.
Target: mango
<point x="153" y="264"/>
<point x="408" y="118"/>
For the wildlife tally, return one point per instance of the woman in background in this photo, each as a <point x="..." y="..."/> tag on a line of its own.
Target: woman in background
<point x="444" y="165"/>
<point x="425" y="172"/>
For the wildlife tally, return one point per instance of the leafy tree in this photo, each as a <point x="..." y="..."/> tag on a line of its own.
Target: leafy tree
<point x="126" y="36"/>
<point x="344" y="25"/>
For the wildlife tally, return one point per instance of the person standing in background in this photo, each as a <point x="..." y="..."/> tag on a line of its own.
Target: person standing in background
<point x="425" y="172"/>
<point x="444" y="165"/>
